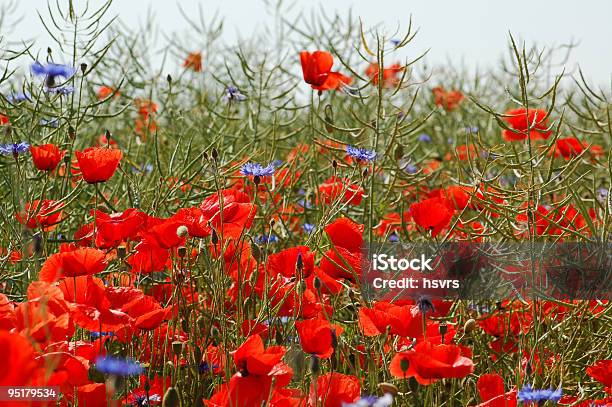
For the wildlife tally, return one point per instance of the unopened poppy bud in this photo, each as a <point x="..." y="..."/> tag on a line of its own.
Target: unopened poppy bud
<point x="205" y="156"/>
<point x="388" y="388"/>
<point x="71" y="132"/>
<point x="335" y="164"/>
<point x="299" y="264"/>
<point x="182" y="231"/>
<point x="404" y="365"/>
<point x="121" y="251"/>
<point x="256" y="179"/>
<point x="317" y="283"/>
<point x="177" y="348"/>
<point x="171" y="398"/>
<point x="315" y="366"/>
<point x="469" y="326"/>
<point x="169" y="78"/>
<point x="334" y="339"/>
<point x="215" y="154"/>
<point x="365" y="172"/>
<point x="83" y="68"/>
<point x="214" y="238"/>
<point x="49" y="50"/>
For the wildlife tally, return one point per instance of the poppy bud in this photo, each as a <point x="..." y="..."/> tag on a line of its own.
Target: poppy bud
<point x="205" y="156"/>
<point x="404" y="365"/>
<point x="469" y="326"/>
<point x="171" y="398"/>
<point x="182" y="231"/>
<point x="147" y="385"/>
<point x="399" y="152"/>
<point x="83" y="68"/>
<point x="388" y="388"/>
<point x="169" y="78"/>
<point x="272" y="222"/>
<point x="299" y="264"/>
<point x="335" y="164"/>
<point x="71" y="132"/>
<point x="67" y="159"/>
<point x="365" y="173"/>
<point x="49" y="50"/>
<point x="315" y="367"/>
<point x="108" y="135"/>
<point x="177" y="348"/>
<point x="317" y="283"/>
<point x="334" y="339"/>
<point x="215" y="154"/>
<point x="425" y="305"/>
<point x="121" y="251"/>
<point x="443" y="327"/>
<point x="214" y="238"/>
<point x="37" y="243"/>
<point x="256" y="179"/>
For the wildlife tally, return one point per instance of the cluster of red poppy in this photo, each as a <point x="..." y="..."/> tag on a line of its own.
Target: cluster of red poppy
<point x="147" y="286"/>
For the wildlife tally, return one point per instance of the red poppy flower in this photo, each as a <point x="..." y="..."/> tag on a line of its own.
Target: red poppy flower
<point x="193" y="219"/>
<point x="491" y="389"/>
<point x="4" y="120"/>
<point x="193" y="61"/>
<point x="285" y="262"/>
<point x="92" y="395"/>
<point x="432" y="214"/>
<point x="45" y="214"/>
<point x="568" y="147"/>
<point x="401" y="320"/>
<point x="251" y="358"/>
<point x="46" y="157"/>
<point x="106" y="91"/>
<point x="526" y="122"/>
<point x="114" y="228"/>
<point x="98" y="164"/>
<point x="316" y="68"/>
<point x="317" y="336"/>
<point x="335" y="188"/>
<point x="147" y="312"/>
<point x="343" y="232"/>
<point x="428" y="363"/>
<point x="79" y="262"/>
<point x="333" y="390"/>
<point x="21" y="366"/>
<point x="237" y="214"/>
<point x="148" y="258"/>
<point x="390" y="74"/>
<point x="341" y="263"/>
<point x="448" y="100"/>
<point x="602" y="372"/>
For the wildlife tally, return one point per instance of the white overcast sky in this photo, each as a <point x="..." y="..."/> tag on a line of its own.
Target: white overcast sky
<point x="474" y="32"/>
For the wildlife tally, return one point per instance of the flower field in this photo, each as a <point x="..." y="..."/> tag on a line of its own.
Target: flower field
<point x="195" y="231"/>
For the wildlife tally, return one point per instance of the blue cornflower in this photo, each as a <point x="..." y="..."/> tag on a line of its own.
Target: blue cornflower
<point x="232" y="93"/>
<point x="528" y="395"/>
<point x="371" y="401"/>
<point x="393" y="237"/>
<point x="19" y="97"/>
<point x="14" y="148"/>
<point x="266" y="239"/>
<point x="309" y="227"/>
<point x="61" y="90"/>
<point x="52" y="71"/>
<point x="257" y="170"/>
<point x="204" y="367"/>
<point x="602" y="194"/>
<point x="144" y="168"/>
<point x="395" y="42"/>
<point x="472" y="129"/>
<point x="118" y="366"/>
<point x="424" y="138"/>
<point x="96" y="334"/>
<point x="360" y="153"/>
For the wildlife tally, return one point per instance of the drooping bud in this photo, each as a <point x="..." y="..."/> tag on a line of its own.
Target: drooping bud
<point x="169" y="78"/>
<point x="215" y="154"/>
<point x="214" y="238"/>
<point x="171" y="398"/>
<point x="83" y="68"/>
<point x="469" y="326"/>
